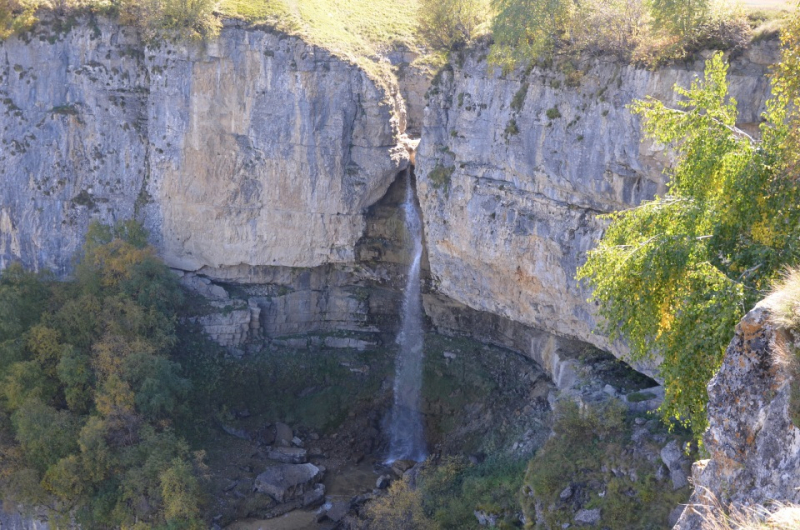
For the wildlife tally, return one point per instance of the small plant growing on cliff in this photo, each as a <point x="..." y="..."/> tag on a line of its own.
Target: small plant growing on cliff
<point x="553" y="113"/>
<point x="674" y="275"/>
<point x="440" y="177"/>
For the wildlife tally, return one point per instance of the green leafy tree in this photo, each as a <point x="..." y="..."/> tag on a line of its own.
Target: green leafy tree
<point x="679" y="17"/>
<point x="524" y="30"/>
<point x="674" y="275"/>
<point x="444" y="24"/>
<point x="89" y="392"/>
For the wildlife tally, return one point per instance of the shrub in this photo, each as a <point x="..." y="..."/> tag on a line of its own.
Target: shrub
<point x="588" y="443"/>
<point x="88" y="393"/>
<point x="553" y="113"/>
<point x="679" y="17"/>
<point x="192" y="19"/>
<point x="525" y="30"/>
<point x="16" y="16"/>
<point x="440" y="176"/>
<point x="444" y="24"/>
<point x="611" y="26"/>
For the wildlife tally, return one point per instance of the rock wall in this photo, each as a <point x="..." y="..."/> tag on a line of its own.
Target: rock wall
<point x="256" y="149"/>
<point x="753" y="445"/>
<point x="514" y="171"/>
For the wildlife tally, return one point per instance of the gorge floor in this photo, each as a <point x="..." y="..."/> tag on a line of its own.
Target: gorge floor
<point x="477" y="400"/>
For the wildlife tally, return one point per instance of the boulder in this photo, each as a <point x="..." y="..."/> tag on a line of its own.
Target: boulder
<point x="288" y="482"/>
<point x="283" y="434"/>
<point x="566" y="493"/>
<point x="383" y="482"/>
<point x="401" y="466"/>
<point x="288" y="455"/>
<point x="315" y="497"/>
<point x="337" y="511"/>
<point x="486" y="519"/>
<point x="588" y="517"/>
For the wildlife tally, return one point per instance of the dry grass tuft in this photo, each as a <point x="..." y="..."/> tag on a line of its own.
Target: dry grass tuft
<point x="775" y="516"/>
<point x="784" y="301"/>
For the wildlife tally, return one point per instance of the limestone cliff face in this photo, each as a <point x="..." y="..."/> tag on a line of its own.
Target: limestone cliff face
<point x="256" y="149"/>
<point x="754" y="447"/>
<point x="514" y="171"/>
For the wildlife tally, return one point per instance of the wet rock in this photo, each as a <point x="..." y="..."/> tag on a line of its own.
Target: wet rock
<point x="588" y="517"/>
<point x="288" y="455"/>
<point x="401" y="466"/>
<point x="288" y="482"/>
<point x="297" y="442"/>
<point x="337" y="511"/>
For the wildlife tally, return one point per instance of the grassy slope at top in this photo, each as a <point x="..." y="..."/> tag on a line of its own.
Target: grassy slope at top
<point x="357" y="30"/>
<point x="767" y="4"/>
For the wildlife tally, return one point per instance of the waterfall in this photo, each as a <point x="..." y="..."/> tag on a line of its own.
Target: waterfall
<point x="406" y="430"/>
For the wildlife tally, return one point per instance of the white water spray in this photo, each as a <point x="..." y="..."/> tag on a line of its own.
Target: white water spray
<point x="406" y="430"/>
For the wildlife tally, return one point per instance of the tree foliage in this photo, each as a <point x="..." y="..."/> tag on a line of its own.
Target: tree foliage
<point x="192" y="19"/>
<point x="674" y="275"/>
<point x="525" y="29"/>
<point x="90" y="393"/>
<point x="444" y="24"/>
<point x="680" y="17"/>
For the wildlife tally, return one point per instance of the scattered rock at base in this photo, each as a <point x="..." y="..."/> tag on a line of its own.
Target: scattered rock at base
<point x="288" y="455"/>
<point x="315" y="497"/>
<point x="674" y="459"/>
<point x="566" y="493"/>
<point x="401" y="466"/>
<point x="283" y="434"/>
<point x="588" y="517"/>
<point x="287" y="482"/>
<point x="337" y="511"/>
<point x="486" y="519"/>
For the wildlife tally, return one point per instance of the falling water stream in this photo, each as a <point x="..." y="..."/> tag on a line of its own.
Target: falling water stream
<point x="406" y="430"/>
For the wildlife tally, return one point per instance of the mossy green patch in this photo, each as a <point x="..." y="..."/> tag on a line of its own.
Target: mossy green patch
<point x="592" y="453"/>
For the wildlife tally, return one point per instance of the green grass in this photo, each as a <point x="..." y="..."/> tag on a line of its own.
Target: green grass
<point x="360" y="31"/>
<point x="356" y="30"/>
<point x="768" y="4"/>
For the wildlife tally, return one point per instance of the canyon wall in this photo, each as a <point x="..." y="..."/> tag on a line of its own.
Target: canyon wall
<point x="259" y="161"/>
<point x="255" y="149"/>
<point x="515" y="170"/>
